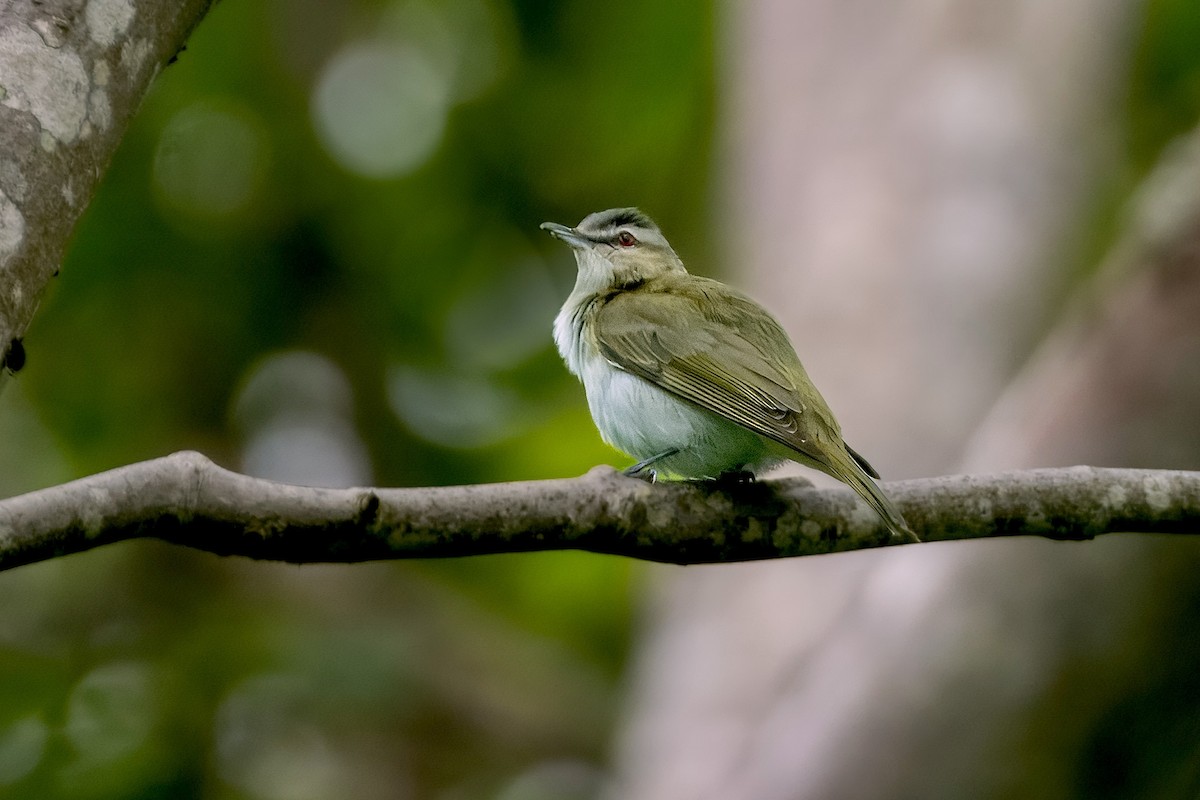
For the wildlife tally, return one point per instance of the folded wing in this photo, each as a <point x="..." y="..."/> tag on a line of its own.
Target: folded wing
<point x="715" y="354"/>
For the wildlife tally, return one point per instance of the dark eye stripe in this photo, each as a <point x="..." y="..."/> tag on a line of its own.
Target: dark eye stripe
<point x="628" y="216"/>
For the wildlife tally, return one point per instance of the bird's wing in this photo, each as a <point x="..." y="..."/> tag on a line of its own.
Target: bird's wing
<point x="705" y="352"/>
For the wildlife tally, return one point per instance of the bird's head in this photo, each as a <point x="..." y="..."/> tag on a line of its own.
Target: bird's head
<point x="616" y="248"/>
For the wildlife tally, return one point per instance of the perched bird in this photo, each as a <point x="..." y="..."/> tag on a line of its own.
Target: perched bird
<point x="689" y="376"/>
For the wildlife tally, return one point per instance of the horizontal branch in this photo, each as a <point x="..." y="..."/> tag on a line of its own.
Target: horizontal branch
<point x="186" y="499"/>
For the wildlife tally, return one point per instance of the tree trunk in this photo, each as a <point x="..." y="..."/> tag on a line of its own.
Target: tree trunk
<point x="71" y="76"/>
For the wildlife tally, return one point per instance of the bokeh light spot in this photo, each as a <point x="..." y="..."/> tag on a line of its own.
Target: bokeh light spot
<point x="504" y="319"/>
<point x="468" y="41"/>
<point x="210" y="161"/>
<point x="453" y="409"/>
<point x="111" y="711"/>
<point x="296" y="411"/>
<point x="269" y="747"/>
<point x="380" y="109"/>
<point x="21" y="747"/>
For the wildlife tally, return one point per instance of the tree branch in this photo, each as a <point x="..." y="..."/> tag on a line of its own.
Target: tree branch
<point x="186" y="499"/>
<point x="71" y="77"/>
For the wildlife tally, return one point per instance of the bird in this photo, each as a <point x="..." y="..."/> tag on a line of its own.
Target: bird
<point x="690" y="377"/>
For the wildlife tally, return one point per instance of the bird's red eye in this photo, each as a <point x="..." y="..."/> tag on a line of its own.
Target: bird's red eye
<point x="625" y="239"/>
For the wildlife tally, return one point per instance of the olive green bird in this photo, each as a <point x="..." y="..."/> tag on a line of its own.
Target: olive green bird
<point x="689" y="376"/>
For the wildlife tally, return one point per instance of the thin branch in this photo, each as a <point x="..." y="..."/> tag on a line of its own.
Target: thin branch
<point x="186" y="499"/>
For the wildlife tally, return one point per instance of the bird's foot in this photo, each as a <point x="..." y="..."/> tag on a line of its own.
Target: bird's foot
<point x="736" y="476"/>
<point x="642" y="468"/>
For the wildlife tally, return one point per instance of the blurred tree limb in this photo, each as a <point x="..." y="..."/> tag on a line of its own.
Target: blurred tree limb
<point x="186" y="499"/>
<point x="72" y="74"/>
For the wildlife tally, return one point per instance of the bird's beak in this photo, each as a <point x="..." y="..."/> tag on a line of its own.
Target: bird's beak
<point x="568" y="235"/>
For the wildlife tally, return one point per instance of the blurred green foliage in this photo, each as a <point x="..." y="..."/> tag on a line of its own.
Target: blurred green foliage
<point x="1161" y="102"/>
<point x="316" y="257"/>
<point x="1164" y="95"/>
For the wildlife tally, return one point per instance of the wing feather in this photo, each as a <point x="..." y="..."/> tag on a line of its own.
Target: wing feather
<point x="674" y="336"/>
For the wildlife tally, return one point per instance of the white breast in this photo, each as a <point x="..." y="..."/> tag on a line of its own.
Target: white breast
<point x="640" y="419"/>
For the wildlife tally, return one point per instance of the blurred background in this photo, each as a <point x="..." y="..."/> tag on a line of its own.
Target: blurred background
<point x="316" y="259"/>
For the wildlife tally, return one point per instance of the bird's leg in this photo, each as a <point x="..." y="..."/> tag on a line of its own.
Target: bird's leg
<point x="640" y="469"/>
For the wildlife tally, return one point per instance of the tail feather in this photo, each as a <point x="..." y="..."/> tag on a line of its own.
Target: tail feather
<point x="853" y="474"/>
<point x="862" y="462"/>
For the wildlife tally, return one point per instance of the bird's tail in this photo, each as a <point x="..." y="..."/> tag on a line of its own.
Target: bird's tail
<point x="848" y="470"/>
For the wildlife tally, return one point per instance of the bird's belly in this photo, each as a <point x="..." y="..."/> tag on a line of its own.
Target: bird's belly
<point x="644" y="421"/>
